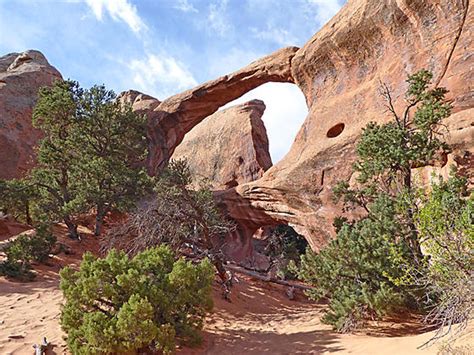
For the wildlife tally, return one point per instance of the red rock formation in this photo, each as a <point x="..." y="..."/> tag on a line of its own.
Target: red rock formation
<point x="177" y="115"/>
<point x="229" y="147"/>
<point x="21" y="75"/>
<point x="140" y="102"/>
<point x="339" y="71"/>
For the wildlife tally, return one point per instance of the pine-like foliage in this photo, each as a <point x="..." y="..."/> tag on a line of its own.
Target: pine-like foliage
<point x="362" y="270"/>
<point x="365" y="271"/>
<point x="118" y="305"/>
<point x="23" y="250"/>
<point x="90" y="155"/>
<point x="16" y="197"/>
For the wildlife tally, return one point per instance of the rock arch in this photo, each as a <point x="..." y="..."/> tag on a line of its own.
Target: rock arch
<point x="339" y="71"/>
<point x="177" y="115"/>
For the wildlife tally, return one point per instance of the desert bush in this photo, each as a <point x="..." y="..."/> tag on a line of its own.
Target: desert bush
<point x="361" y="271"/>
<point x="446" y="225"/>
<point x="119" y="304"/>
<point x="23" y="250"/>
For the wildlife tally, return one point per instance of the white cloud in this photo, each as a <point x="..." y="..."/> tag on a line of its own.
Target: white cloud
<point x="160" y="75"/>
<point x="285" y="113"/>
<point x="185" y="6"/>
<point x="119" y="10"/>
<point x="217" y="19"/>
<point x="275" y="34"/>
<point x="324" y="9"/>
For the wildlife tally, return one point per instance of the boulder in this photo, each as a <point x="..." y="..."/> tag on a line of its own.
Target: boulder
<point x="21" y="76"/>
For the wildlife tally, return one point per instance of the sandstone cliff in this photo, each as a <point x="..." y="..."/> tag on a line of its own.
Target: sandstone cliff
<point x="339" y="71"/>
<point x="21" y="76"/>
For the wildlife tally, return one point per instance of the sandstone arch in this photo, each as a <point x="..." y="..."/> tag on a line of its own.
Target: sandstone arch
<point x="177" y="115"/>
<point x="339" y="71"/>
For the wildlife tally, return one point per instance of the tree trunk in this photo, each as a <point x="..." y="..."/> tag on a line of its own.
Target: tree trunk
<point x="27" y="213"/>
<point x="71" y="227"/>
<point x="413" y="242"/>
<point x="99" y="220"/>
<point x="219" y="265"/>
<point x="267" y="278"/>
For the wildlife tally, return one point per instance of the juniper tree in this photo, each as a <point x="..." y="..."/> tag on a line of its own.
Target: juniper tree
<point x="118" y="304"/>
<point x="91" y="153"/>
<point x="55" y="114"/>
<point x="364" y="271"/>
<point x="112" y="145"/>
<point x="387" y="153"/>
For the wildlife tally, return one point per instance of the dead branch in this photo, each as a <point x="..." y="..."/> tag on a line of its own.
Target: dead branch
<point x="265" y="278"/>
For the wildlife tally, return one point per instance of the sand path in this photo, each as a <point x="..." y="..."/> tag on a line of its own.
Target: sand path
<point x="259" y="320"/>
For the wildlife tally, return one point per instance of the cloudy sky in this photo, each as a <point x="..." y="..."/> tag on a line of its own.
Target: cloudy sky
<point x="162" y="47"/>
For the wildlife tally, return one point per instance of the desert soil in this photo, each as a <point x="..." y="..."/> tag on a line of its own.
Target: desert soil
<point x="260" y="319"/>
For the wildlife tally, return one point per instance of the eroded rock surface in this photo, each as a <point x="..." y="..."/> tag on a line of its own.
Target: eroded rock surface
<point x="140" y="102"/>
<point x="339" y="71"/>
<point x="229" y="147"/>
<point x="21" y="76"/>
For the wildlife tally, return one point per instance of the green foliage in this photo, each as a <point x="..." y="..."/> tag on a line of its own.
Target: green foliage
<point x="91" y="153"/>
<point x="366" y="271"/>
<point x="121" y="305"/>
<point x="285" y="247"/>
<point x="446" y="225"/>
<point x="389" y="150"/>
<point x="360" y="271"/>
<point x="55" y="114"/>
<point x="112" y="145"/>
<point x="16" y="197"/>
<point x="23" y="250"/>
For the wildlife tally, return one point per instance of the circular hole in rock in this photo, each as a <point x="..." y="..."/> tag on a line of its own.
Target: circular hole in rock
<point x="335" y="130"/>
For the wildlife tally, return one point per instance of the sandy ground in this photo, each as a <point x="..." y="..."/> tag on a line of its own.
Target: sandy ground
<point x="259" y="320"/>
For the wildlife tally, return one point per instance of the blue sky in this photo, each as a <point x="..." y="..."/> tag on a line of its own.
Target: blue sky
<point x="162" y="47"/>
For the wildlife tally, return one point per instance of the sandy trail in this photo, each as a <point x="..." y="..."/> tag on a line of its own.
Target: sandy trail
<point x="259" y="320"/>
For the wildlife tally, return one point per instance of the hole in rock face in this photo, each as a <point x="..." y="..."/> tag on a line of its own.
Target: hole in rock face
<point x="335" y="130"/>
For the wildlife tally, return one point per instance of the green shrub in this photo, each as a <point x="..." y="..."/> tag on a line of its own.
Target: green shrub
<point x="446" y="225"/>
<point x="25" y="249"/>
<point x="119" y="304"/>
<point x="361" y="270"/>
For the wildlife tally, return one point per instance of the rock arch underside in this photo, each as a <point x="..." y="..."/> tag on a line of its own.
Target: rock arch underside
<point x="339" y="71"/>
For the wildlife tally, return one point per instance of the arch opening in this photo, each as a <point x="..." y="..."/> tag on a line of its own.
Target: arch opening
<point x="284" y="115"/>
